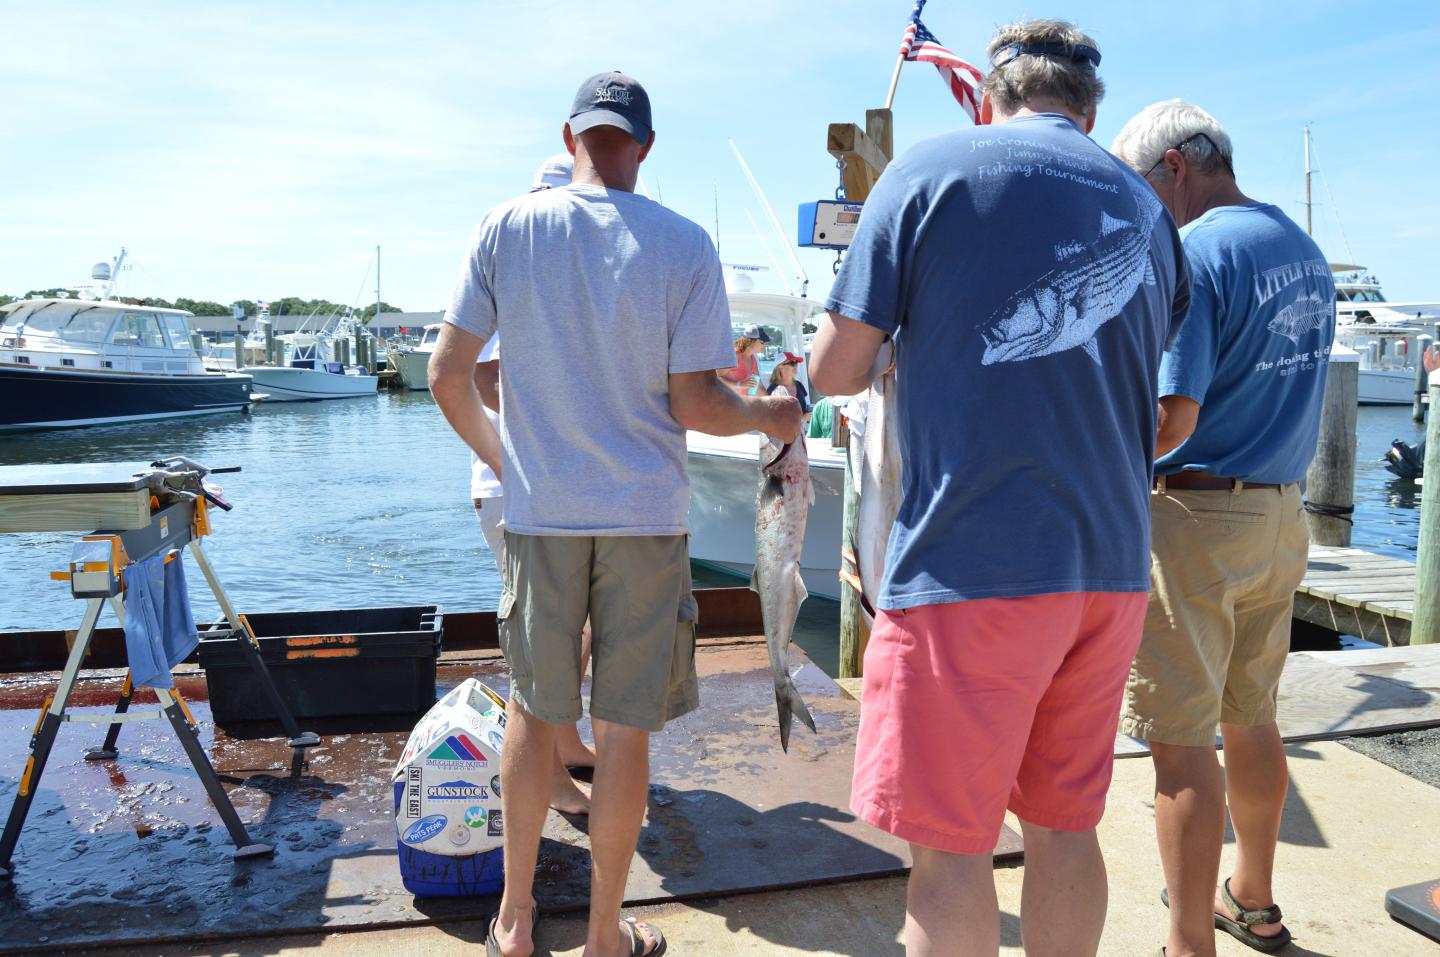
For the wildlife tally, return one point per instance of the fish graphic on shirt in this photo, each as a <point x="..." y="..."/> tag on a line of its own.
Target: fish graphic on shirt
<point x="1065" y="307"/>
<point x="1305" y="313"/>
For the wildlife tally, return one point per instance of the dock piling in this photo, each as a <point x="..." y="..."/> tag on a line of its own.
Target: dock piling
<point x="239" y="351"/>
<point x="1426" y="627"/>
<point x="1422" y="378"/>
<point x="1330" y="482"/>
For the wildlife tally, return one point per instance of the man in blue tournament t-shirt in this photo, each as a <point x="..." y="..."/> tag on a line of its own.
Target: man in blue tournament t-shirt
<point x="1030" y="282"/>
<point x="1247" y="375"/>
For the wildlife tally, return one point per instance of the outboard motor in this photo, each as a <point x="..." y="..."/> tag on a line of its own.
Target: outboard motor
<point x="1405" y="460"/>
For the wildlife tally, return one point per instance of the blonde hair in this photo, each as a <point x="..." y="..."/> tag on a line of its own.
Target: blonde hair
<point x="744" y="342"/>
<point x="1072" y="81"/>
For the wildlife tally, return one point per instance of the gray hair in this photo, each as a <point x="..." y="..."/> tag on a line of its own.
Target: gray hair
<point x="1175" y="125"/>
<point x="1071" y="81"/>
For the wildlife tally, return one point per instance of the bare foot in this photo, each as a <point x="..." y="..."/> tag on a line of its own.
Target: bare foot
<point x="572" y="750"/>
<point x="516" y="939"/>
<point x="565" y="795"/>
<point x="626" y="941"/>
<point x="1259" y="930"/>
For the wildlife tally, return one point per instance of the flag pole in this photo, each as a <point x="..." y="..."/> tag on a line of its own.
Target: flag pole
<point x="894" y="82"/>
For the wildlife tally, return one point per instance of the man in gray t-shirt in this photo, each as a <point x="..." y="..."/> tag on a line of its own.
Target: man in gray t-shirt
<point x="615" y="321"/>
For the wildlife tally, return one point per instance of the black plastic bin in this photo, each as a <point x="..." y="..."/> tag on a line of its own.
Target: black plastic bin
<point x="328" y="664"/>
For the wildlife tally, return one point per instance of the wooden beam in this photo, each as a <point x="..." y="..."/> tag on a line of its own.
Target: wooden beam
<point x="864" y="160"/>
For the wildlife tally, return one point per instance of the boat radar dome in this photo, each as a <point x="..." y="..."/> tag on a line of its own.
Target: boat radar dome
<point x="100" y="271"/>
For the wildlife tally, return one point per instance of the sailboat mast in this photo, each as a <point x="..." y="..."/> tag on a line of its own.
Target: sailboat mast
<point x="1309" y="218"/>
<point x="376" y="320"/>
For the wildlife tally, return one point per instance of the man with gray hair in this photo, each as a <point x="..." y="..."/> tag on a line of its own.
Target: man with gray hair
<point x="1241" y="395"/>
<point x="1030" y="282"/>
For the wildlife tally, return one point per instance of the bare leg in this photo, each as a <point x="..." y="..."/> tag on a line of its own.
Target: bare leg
<point x="1062" y="905"/>
<point x="1190" y="825"/>
<point x="950" y="905"/>
<point x="572" y="750"/>
<point x="617" y="806"/>
<point x="526" y="764"/>
<point x="1256" y="780"/>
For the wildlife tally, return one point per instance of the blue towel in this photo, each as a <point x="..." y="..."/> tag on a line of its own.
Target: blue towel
<point x="159" y="628"/>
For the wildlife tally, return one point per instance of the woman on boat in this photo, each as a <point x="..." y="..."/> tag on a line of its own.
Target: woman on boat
<point x="784" y="382"/>
<point x="746" y="374"/>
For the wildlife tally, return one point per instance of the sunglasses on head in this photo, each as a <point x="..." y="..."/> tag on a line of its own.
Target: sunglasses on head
<point x="1180" y="147"/>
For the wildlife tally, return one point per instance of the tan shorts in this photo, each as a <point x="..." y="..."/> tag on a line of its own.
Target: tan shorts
<point x="1224" y="566"/>
<point x="636" y="592"/>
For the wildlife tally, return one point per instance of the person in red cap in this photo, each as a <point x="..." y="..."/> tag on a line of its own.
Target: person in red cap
<point x="785" y="381"/>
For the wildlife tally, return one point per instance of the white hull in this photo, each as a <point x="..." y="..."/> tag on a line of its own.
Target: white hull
<point x="724" y="479"/>
<point x="413" y="368"/>
<point x="1387" y="387"/>
<point x="289" y="384"/>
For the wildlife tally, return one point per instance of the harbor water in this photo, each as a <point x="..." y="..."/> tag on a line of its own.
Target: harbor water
<point x="366" y="502"/>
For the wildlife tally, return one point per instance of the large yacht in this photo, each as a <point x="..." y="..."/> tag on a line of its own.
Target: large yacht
<point x="1359" y="301"/>
<point x="74" y="362"/>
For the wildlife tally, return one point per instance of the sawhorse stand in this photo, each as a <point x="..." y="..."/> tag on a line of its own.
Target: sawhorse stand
<point x="177" y="518"/>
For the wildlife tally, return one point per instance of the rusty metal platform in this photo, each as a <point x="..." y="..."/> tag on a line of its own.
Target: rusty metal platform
<point x="130" y="852"/>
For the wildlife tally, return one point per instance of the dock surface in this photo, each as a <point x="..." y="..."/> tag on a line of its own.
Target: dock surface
<point x="1359" y="593"/>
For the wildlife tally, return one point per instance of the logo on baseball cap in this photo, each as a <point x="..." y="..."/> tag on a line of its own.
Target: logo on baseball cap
<point x="612" y="99"/>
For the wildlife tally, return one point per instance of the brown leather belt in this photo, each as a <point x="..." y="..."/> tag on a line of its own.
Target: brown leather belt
<point x="1200" y="481"/>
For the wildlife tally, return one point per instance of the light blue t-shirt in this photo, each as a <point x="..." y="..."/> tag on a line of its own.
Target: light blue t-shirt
<point x="1256" y="347"/>
<point x="1031" y="281"/>
<point x="600" y="296"/>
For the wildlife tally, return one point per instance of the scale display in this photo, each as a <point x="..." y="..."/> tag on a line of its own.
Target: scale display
<point x="828" y="224"/>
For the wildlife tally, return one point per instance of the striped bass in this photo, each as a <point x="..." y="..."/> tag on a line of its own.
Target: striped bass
<point x="781" y="508"/>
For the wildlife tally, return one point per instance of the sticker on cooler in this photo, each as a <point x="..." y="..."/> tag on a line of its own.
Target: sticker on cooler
<point x="424" y="829"/>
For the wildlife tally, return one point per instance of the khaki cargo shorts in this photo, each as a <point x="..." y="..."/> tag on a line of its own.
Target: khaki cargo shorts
<point x="636" y="591"/>
<point x="1224" y="566"/>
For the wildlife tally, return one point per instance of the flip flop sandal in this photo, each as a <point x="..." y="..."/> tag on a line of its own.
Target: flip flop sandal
<point x="637" y="940"/>
<point x="492" y="946"/>
<point x="1240" y="921"/>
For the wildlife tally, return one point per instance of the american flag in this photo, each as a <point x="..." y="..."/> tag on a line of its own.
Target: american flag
<point x="919" y="44"/>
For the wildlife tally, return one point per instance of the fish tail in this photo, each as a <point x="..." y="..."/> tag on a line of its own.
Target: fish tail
<point x="790" y="705"/>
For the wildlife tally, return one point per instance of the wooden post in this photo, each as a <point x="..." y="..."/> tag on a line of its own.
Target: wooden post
<point x="1422" y="345"/>
<point x="853" y="632"/>
<point x="1425" y="630"/>
<point x="343" y="351"/>
<point x="880" y="128"/>
<point x="197" y="342"/>
<point x="239" y="351"/>
<point x="272" y="354"/>
<point x="1331" y="479"/>
<point x="360" y="347"/>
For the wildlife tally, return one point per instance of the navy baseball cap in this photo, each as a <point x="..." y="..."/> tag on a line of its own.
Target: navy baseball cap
<point x="612" y="99"/>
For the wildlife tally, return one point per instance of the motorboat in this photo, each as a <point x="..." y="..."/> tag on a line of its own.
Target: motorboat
<point x="1359" y="301"/>
<point x="725" y="472"/>
<point x="412" y="363"/>
<point x="67" y="362"/>
<point x="310" y="371"/>
<point x="1387" y="361"/>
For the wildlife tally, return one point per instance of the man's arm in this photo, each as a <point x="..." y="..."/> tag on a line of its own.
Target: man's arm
<point x="487" y="383"/>
<point x="452" y="383"/>
<point x="701" y="401"/>
<point x="846" y="356"/>
<point x="1178" y="415"/>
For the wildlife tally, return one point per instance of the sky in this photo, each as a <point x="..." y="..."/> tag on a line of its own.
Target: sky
<point x="259" y="150"/>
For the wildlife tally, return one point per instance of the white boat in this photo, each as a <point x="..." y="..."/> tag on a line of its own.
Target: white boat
<point x="310" y="372"/>
<point x="725" y="472"/>
<point x="1360" y="302"/>
<point x="1387" y="361"/>
<point x="412" y="363"/>
<point x="76" y="362"/>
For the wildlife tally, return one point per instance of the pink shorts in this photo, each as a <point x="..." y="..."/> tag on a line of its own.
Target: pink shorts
<point x="973" y="707"/>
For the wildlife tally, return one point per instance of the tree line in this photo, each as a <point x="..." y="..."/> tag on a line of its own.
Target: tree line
<point x="286" y="306"/>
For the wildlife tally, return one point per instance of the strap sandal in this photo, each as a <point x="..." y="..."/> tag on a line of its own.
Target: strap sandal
<point x="631" y="926"/>
<point x="492" y="946"/>
<point x="1240" y="921"/>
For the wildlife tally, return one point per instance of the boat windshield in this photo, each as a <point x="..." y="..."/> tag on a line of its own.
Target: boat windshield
<point x="431" y="337"/>
<point x="75" y="325"/>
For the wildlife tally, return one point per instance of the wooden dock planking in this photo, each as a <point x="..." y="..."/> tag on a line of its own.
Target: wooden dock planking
<point x="1358" y="592"/>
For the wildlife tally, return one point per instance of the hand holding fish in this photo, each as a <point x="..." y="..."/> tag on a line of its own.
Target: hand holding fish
<point x="783" y="417"/>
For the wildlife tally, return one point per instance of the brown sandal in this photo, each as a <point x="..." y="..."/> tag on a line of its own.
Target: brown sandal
<point x="1240" y="921"/>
